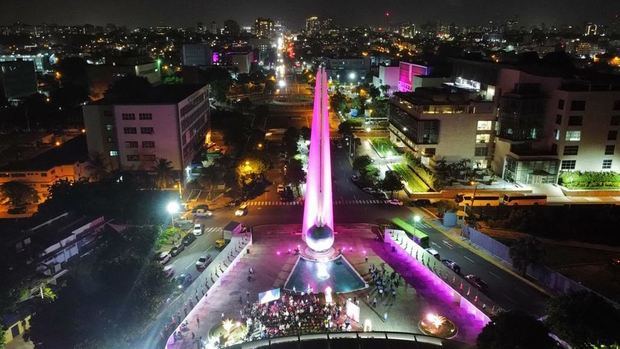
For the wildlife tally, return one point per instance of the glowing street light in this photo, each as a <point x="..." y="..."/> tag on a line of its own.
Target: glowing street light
<point x="173" y="208"/>
<point x="281" y="84"/>
<point x="416" y="219"/>
<point x="352" y="75"/>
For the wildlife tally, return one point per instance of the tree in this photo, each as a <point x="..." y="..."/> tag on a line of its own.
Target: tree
<point x="18" y="193"/>
<point x="370" y="175"/>
<point x="72" y="72"/>
<point x="584" y="319"/>
<point x="130" y="88"/>
<point x="384" y="89"/>
<point x="163" y="173"/>
<point x="525" y="252"/>
<point x="391" y="182"/>
<point x="290" y="138"/>
<point x="98" y="167"/>
<point x="514" y="330"/>
<point x="304" y="132"/>
<point x="361" y="162"/>
<point x="295" y="173"/>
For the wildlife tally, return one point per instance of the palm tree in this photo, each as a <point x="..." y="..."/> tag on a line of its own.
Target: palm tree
<point x="163" y="173"/>
<point x="98" y="167"/>
<point x="18" y="194"/>
<point x="525" y="252"/>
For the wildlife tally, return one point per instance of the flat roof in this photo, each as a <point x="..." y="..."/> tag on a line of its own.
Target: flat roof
<point x="70" y="152"/>
<point x="162" y="94"/>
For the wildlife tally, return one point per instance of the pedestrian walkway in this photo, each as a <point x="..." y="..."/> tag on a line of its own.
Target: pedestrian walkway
<point x="208" y="230"/>
<point x="336" y="202"/>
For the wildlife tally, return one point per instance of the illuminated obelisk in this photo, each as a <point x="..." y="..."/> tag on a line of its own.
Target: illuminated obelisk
<point x="318" y="224"/>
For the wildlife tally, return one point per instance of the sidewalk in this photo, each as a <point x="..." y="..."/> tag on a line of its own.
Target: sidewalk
<point x="454" y="234"/>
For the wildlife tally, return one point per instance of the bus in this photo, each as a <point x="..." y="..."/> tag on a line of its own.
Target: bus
<point x="481" y="199"/>
<point x="524" y="199"/>
<point x="415" y="234"/>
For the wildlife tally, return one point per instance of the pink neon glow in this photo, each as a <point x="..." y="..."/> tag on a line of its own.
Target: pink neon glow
<point x="318" y="208"/>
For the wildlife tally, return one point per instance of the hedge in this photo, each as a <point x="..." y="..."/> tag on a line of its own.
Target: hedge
<point x="590" y="180"/>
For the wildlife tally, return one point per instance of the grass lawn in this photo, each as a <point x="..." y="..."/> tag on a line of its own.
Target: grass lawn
<point x="414" y="183"/>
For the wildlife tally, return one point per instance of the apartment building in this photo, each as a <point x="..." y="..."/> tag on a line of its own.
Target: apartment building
<point x="170" y="123"/>
<point x="443" y="123"/>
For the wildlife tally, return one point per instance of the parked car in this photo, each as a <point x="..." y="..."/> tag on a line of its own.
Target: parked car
<point x="434" y="253"/>
<point x="197" y="231"/>
<point x="235" y="202"/>
<point x="183" y="281"/>
<point x="395" y="202"/>
<point x="164" y="257"/>
<point x="355" y="178"/>
<point x="203" y="262"/>
<point x="280" y="188"/>
<point x="241" y="210"/>
<point x="188" y="239"/>
<point x="452" y="265"/>
<point x="477" y="282"/>
<point x="177" y="249"/>
<point x="169" y="271"/>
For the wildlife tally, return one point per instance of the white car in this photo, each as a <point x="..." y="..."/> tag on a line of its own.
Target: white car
<point x="197" y="231"/>
<point x="164" y="257"/>
<point x="241" y="210"/>
<point x="202" y="262"/>
<point x="201" y="212"/>
<point x="169" y="271"/>
<point x="395" y="202"/>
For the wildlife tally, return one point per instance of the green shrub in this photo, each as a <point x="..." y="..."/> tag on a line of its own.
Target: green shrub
<point x="414" y="183"/>
<point x="590" y="180"/>
<point x="422" y="171"/>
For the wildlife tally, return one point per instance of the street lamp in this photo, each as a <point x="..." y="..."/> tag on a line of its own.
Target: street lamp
<point x="416" y="219"/>
<point x="172" y="208"/>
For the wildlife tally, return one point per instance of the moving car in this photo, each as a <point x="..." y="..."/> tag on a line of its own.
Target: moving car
<point x="452" y="265"/>
<point x="433" y="252"/>
<point x="197" y="231"/>
<point x="188" y="239"/>
<point x="164" y="257"/>
<point x="183" y="281"/>
<point x="395" y="202"/>
<point x="169" y="271"/>
<point x="477" y="282"/>
<point x="280" y="188"/>
<point x="201" y="212"/>
<point x="241" y="210"/>
<point x="203" y="262"/>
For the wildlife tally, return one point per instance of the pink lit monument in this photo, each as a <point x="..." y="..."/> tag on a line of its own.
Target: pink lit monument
<point x="318" y="224"/>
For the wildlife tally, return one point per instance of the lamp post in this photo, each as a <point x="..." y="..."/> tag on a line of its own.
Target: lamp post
<point x="416" y="219"/>
<point x="172" y="208"/>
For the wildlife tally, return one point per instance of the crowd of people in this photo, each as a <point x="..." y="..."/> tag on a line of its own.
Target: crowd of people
<point x="294" y="313"/>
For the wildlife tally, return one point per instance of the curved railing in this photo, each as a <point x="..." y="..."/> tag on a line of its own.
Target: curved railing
<point x="401" y="336"/>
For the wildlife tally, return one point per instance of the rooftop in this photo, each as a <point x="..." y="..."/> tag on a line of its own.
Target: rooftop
<point x="70" y="152"/>
<point x="439" y="96"/>
<point x="162" y="94"/>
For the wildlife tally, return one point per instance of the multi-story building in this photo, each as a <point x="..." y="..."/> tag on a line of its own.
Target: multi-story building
<point x="170" y="123"/>
<point x="313" y="25"/>
<point x="408" y="73"/>
<point x="197" y="55"/>
<point x="348" y="69"/>
<point x="42" y="61"/>
<point x="18" y="79"/>
<point x="443" y="124"/>
<point x="264" y="27"/>
<point x="388" y="75"/>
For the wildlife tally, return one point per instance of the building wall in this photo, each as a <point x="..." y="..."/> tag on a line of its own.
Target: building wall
<point x="388" y="76"/>
<point x="242" y="61"/>
<point x="194" y="124"/>
<point x="197" y="55"/>
<point x="101" y="132"/>
<point x="41" y="180"/>
<point x="407" y="73"/>
<point x="18" y="79"/>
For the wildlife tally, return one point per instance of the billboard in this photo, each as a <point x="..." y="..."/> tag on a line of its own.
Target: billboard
<point x="268" y="296"/>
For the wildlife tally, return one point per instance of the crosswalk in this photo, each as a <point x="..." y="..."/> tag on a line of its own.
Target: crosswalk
<point x="208" y="230"/>
<point x="300" y="202"/>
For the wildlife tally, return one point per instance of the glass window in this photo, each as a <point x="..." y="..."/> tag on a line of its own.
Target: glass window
<point x="615" y="120"/>
<point x="556" y="134"/>
<point x="568" y="164"/>
<point x="130" y="130"/>
<point x="148" y="157"/>
<point x="133" y="157"/>
<point x="113" y="153"/>
<point x="575" y="120"/>
<point x="607" y="164"/>
<point x="574" y="135"/>
<point x="558" y="119"/>
<point x="481" y="151"/>
<point x="131" y="144"/>
<point x="612" y="135"/>
<point x="578" y="105"/>
<point x="561" y="104"/>
<point x="610" y="149"/>
<point x="146" y="130"/>
<point x="485" y="138"/>
<point x="128" y="116"/>
<point x="145" y="116"/>
<point x="571" y="150"/>
<point x="148" y="144"/>
<point x="485" y="125"/>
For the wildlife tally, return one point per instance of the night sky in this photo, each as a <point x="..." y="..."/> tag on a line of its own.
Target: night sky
<point x="187" y="12"/>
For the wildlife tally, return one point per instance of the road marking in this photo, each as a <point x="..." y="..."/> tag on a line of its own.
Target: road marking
<point x="469" y="259"/>
<point x="497" y="276"/>
<point x="447" y="244"/>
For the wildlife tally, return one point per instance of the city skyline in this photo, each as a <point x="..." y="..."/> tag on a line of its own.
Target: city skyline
<point x="293" y="14"/>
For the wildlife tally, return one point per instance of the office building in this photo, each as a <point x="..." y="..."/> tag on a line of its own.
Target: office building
<point x="388" y="75"/>
<point x="264" y="27"/>
<point x="443" y="123"/>
<point x="242" y="61"/>
<point x="197" y="55"/>
<point x="18" y="79"/>
<point x="170" y="123"/>
<point x="408" y="73"/>
<point x="348" y="69"/>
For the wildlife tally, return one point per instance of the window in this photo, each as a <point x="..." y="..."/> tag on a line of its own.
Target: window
<point x="130" y="130"/>
<point x="128" y="116"/>
<point x="558" y="119"/>
<point x="481" y="151"/>
<point x="145" y="116"/>
<point x="607" y="164"/>
<point x="146" y="130"/>
<point x="429" y="151"/>
<point x="617" y="105"/>
<point x="578" y="105"/>
<point x="612" y="135"/>
<point x="108" y="127"/>
<point x="43" y="174"/>
<point x="610" y="149"/>
<point x="133" y="158"/>
<point x="485" y="125"/>
<point x="575" y="120"/>
<point x="568" y="164"/>
<point x="148" y="144"/>
<point x="573" y="135"/>
<point x="485" y="138"/>
<point x="556" y="134"/>
<point x="131" y="144"/>
<point x="615" y="120"/>
<point x="113" y="153"/>
<point x="561" y="104"/>
<point x="148" y="157"/>
<point x="571" y="150"/>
